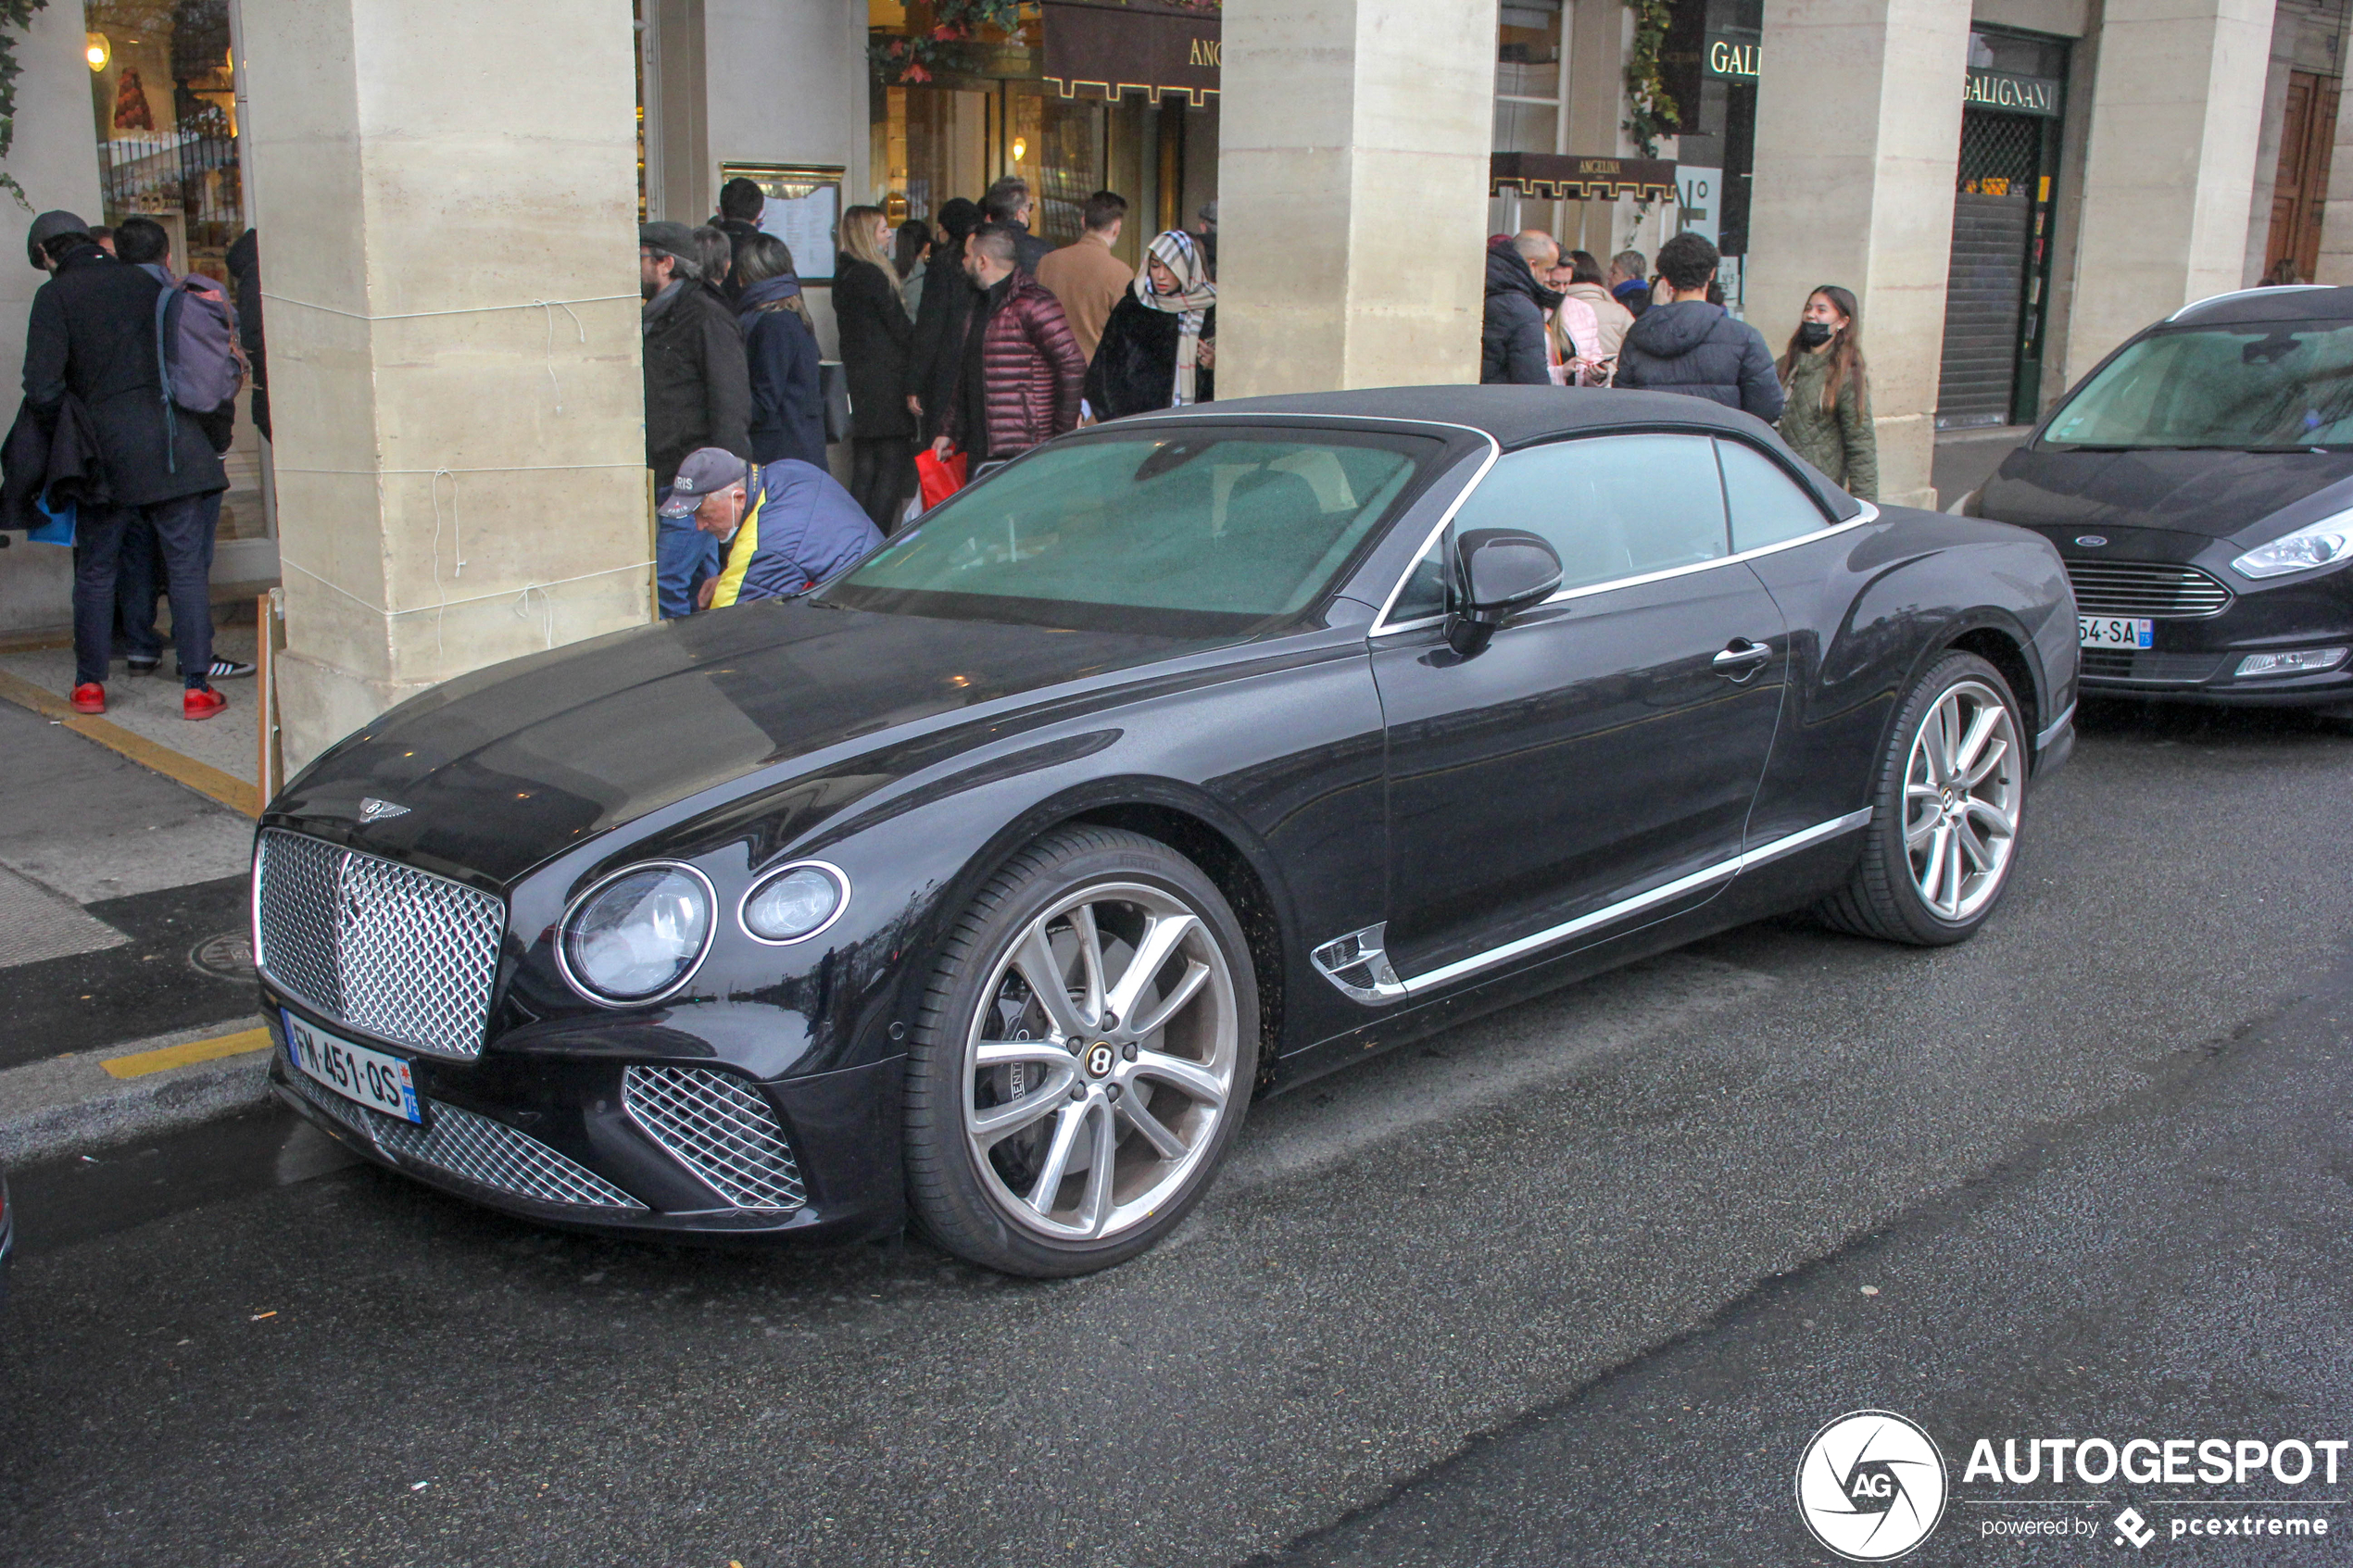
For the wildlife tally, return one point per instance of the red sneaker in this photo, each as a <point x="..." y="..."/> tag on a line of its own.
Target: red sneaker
<point x="89" y="697"/>
<point x="202" y="702"/>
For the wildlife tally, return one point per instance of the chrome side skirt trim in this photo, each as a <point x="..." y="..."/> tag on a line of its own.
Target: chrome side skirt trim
<point x="1362" y="950"/>
<point x="2050" y="732"/>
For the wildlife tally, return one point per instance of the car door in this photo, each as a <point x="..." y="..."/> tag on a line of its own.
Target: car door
<point x="1602" y="747"/>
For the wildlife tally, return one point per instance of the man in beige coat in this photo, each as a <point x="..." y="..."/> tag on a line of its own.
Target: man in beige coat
<point x="1086" y="276"/>
<point x="1580" y="277"/>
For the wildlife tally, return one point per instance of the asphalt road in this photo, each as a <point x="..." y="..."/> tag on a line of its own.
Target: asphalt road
<point x="1571" y="1285"/>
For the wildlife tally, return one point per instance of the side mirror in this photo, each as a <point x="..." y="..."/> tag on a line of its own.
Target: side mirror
<point x="1504" y="570"/>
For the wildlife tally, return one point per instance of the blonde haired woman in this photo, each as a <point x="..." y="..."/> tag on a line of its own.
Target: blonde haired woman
<point x="876" y="338"/>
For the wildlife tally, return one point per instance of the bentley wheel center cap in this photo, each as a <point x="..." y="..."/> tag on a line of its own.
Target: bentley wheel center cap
<point x="1100" y="1057"/>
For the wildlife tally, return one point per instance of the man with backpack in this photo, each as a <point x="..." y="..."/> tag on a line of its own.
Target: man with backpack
<point x="203" y="347"/>
<point x="97" y="336"/>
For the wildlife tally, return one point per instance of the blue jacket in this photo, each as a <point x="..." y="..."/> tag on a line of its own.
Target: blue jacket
<point x="787" y="411"/>
<point x="799" y="528"/>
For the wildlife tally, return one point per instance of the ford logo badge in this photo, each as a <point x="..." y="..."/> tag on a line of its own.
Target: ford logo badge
<point x="2091" y="541"/>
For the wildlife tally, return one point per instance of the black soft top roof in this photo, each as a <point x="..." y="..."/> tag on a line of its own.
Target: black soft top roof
<point x="1521" y="416"/>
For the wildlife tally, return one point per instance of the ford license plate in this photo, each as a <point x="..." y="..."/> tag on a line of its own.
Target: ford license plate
<point x="376" y="1079"/>
<point x="2115" y="631"/>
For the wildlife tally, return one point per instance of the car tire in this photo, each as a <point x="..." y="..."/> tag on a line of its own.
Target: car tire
<point x="1945" y="811"/>
<point x="1048" y="1141"/>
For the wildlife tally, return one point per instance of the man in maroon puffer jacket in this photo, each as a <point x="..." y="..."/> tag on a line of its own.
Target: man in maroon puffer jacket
<point x="1021" y="367"/>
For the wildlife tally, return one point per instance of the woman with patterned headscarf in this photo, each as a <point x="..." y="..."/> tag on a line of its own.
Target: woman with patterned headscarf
<point x="1158" y="348"/>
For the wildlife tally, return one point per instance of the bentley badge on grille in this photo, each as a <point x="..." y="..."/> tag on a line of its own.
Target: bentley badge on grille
<point x="374" y="810"/>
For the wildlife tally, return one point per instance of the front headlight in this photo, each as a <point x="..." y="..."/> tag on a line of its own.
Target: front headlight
<point x="638" y="935"/>
<point x="2316" y="544"/>
<point x="795" y="903"/>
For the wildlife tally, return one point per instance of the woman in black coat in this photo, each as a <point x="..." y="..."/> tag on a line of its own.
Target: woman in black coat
<point x="942" y="318"/>
<point x="780" y="347"/>
<point x="1158" y="345"/>
<point x="876" y="339"/>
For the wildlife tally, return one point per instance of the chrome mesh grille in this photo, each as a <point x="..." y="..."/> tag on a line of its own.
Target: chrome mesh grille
<point x="476" y="1149"/>
<point x="2149" y="588"/>
<point x="399" y="952"/>
<point x="717" y="1126"/>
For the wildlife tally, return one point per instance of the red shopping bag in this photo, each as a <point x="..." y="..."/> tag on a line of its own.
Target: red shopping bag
<point x="939" y="480"/>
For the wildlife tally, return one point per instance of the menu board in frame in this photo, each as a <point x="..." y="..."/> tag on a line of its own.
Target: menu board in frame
<point x="803" y="211"/>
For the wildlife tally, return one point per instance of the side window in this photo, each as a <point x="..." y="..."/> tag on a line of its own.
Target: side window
<point x="1425" y="590"/>
<point x="1767" y="506"/>
<point x="1613" y="506"/>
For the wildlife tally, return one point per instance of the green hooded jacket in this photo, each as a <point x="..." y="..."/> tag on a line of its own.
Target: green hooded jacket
<point x="1838" y="441"/>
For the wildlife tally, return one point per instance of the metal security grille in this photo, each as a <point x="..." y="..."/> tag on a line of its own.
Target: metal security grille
<point x="474" y="1148"/>
<point x="2145" y="588"/>
<point x="405" y="955"/>
<point x="1985" y="291"/>
<point x="718" y="1127"/>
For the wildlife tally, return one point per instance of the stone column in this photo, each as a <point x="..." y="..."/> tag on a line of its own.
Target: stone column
<point x="448" y="251"/>
<point x="2177" y="112"/>
<point x="1853" y="185"/>
<point x="1352" y="193"/>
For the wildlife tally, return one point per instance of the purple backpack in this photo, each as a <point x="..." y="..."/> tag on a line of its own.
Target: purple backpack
<point x="197" y="343"/>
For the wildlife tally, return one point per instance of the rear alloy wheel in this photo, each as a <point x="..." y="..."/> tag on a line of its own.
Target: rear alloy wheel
<point x="1945" y="814"/>
<point x="1086" y="1052"/>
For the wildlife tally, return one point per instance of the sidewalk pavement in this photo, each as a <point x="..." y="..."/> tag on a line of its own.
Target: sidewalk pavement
<point x="221" y="755"/>
<point x="126" y="971"/>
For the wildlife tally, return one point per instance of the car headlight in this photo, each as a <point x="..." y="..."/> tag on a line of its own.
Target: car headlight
<point x="2315" y="545"/>
<point x="638" y="935"/>
<point x="797" y="902"/>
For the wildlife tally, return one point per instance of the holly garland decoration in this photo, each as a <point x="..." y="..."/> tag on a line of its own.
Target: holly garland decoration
<point x="1652" y="111"/>
<point x="914" y="58"/>
<point x="16" y="16"/>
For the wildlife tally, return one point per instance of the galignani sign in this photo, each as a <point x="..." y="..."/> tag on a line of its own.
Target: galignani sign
<point x="1735" y="58"/>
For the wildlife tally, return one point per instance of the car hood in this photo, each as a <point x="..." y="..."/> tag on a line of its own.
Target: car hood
<point x="499" y="770"/>
<point x="2211" y="495"/>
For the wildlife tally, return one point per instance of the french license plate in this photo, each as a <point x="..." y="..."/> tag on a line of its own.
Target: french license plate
<point x="2115" y="631"/>
<point x="375" y="1079"/>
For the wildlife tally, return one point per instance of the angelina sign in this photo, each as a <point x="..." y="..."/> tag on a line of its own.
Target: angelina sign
<point x="1103" y="51"/>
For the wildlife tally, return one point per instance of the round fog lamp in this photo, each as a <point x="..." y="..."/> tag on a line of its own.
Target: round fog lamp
<point x="638" y="935"/>
<point x="796" y="903"/>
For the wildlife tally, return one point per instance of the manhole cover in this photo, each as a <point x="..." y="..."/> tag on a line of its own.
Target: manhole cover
<point x="226" y="957"/>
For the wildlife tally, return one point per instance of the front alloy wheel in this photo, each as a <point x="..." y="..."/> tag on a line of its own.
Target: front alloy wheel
<point x="1944" y="829"/>
<point x="1087" y="1048"/>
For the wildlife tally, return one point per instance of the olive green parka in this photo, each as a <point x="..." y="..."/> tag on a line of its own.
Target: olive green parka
<point x="1839" y="440"/>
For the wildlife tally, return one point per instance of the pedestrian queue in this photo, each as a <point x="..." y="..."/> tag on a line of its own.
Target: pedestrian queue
<point x="1828" y="421"/>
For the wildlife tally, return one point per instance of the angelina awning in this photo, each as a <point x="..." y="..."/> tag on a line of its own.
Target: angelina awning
<point x="1571" y="177"/>
<point x="1095" y="51"/>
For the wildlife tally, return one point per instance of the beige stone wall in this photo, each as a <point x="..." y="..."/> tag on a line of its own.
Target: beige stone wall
<point x="2170" y="165"/>
<point x="1352" y="193"/>
<point x="1855" y="186"/>
<point x="56" y="159"/>
<point x="459" y="469"/>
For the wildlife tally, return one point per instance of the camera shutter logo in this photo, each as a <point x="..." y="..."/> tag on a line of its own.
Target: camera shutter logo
<point x="1870" y="1486"/>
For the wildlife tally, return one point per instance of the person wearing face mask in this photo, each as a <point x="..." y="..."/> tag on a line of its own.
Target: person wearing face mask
<point x="1159" y="344"/>
<point x="1827" y="419"/>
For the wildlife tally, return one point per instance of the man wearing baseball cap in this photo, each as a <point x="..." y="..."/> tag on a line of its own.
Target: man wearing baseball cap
<point x="698" y="386"/>
<point x="783" y="529"/>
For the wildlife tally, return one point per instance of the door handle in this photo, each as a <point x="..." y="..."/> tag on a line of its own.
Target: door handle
<point x="1742" y="660"/>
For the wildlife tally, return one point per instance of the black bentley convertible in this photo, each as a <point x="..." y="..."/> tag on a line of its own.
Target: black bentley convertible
<point x="1182" y="759"/>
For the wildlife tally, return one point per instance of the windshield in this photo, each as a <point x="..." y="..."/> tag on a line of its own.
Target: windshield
<point x="2265" y="385"/>
<point x="1207" y="532"/>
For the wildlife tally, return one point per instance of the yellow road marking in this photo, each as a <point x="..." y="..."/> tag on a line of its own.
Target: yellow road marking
<point x="202" y="777"/>
<point x="138" y="1064"/>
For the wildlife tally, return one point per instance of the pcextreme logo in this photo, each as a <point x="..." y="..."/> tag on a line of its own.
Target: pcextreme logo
<point x="1870" y="1486"/>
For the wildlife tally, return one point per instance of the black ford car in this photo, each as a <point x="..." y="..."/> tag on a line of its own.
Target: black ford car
<point x="1184" y="758"/>
<point x="2199" y="486"/>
